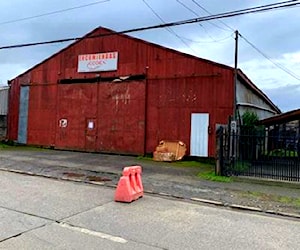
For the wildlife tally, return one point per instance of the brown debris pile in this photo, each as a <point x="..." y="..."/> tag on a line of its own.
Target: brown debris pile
<point x="169" y="151"/>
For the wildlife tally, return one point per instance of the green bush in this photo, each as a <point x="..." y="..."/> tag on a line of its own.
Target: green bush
<point x="283" y="153"/>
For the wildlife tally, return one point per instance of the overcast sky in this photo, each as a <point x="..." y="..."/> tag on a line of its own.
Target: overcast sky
<point x="275" y="33"/>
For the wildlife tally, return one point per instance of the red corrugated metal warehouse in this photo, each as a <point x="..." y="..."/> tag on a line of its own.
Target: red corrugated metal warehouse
<point x="115" y="93"/>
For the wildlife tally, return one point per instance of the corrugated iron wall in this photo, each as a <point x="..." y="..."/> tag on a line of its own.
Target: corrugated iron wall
<point x="42" y="120"/>
<point x="13" y="110"/>
<point x="110" y="116"/>
<point x="172" y="101"/>
<point x="107" y="117"/>
<point x="4" y="92"/>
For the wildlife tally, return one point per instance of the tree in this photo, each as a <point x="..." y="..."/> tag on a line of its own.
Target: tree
<point x="250" y="119"/>
<point x="251" y="135"/>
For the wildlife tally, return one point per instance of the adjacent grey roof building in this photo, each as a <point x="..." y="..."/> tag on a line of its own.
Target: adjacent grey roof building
<point x="4" y="100"/>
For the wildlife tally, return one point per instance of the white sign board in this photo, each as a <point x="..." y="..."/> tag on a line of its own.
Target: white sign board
<point x="233" y="126"/>
<point x="98" y="62"/>
<point x="63" y="123"/>
<point x="91" y="125"/>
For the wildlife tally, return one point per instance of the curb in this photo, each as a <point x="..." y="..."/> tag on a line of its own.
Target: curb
<point x="240" y="207"/>
<point x="193" y="199"/>
<point x="211" y="202"/>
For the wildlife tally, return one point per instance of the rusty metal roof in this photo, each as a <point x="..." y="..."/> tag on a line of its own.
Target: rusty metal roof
<point x="282" y="118"/>
<point x="247" y="82"/>
<point x="112" y="32"/>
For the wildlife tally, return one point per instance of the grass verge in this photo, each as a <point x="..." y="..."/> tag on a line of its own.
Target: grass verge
<point x="182" y="163"/>
<point x="211" y="176"/>
<point x="269" y="197"/>
<point x="5" y="146"/>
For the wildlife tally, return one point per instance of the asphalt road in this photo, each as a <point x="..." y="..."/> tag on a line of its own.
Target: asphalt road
<point x="41" y="213"/>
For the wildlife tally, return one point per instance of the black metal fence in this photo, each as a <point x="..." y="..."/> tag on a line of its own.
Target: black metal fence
<point x="258" y="153"/>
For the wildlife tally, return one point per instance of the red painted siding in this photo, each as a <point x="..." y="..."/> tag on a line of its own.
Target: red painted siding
<point x="174" y="100"/>
<point x="13" y="110"/>
<point x="177" y="85"/>
<point x="42" y="115"/>
<point x="121" y="117"/>
<point x="14" y="103"/>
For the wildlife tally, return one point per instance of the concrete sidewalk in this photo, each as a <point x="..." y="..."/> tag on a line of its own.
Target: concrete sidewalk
<point x="159" y="178"/>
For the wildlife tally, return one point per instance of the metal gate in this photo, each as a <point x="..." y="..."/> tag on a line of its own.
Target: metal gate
<point x="257" y="154"/>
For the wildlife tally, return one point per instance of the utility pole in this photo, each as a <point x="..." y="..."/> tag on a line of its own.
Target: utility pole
<point x="233" y="124"/>
<point x="235" y="74"/>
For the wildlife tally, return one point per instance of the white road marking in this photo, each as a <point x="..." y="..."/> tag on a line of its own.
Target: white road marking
<point x="94" y="233"/>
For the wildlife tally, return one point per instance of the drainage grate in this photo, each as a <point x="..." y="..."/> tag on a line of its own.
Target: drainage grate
<point x="86" y="177"/>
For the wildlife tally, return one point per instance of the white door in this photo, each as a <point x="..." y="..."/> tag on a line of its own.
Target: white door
<point x="199" y="134"/>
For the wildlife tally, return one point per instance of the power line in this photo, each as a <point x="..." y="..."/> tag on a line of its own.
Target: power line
<point x="215" y="41"/>
<point x="53" y="12"/>
<point x="188" y="8"/>
<point x="259" y="9"/>
<point x="291" y="73"/>
<point x="253" y="46"/>
<point x="196" y="14"/>
<point x="209" y="13"/>
<point x="167" y="28"/>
